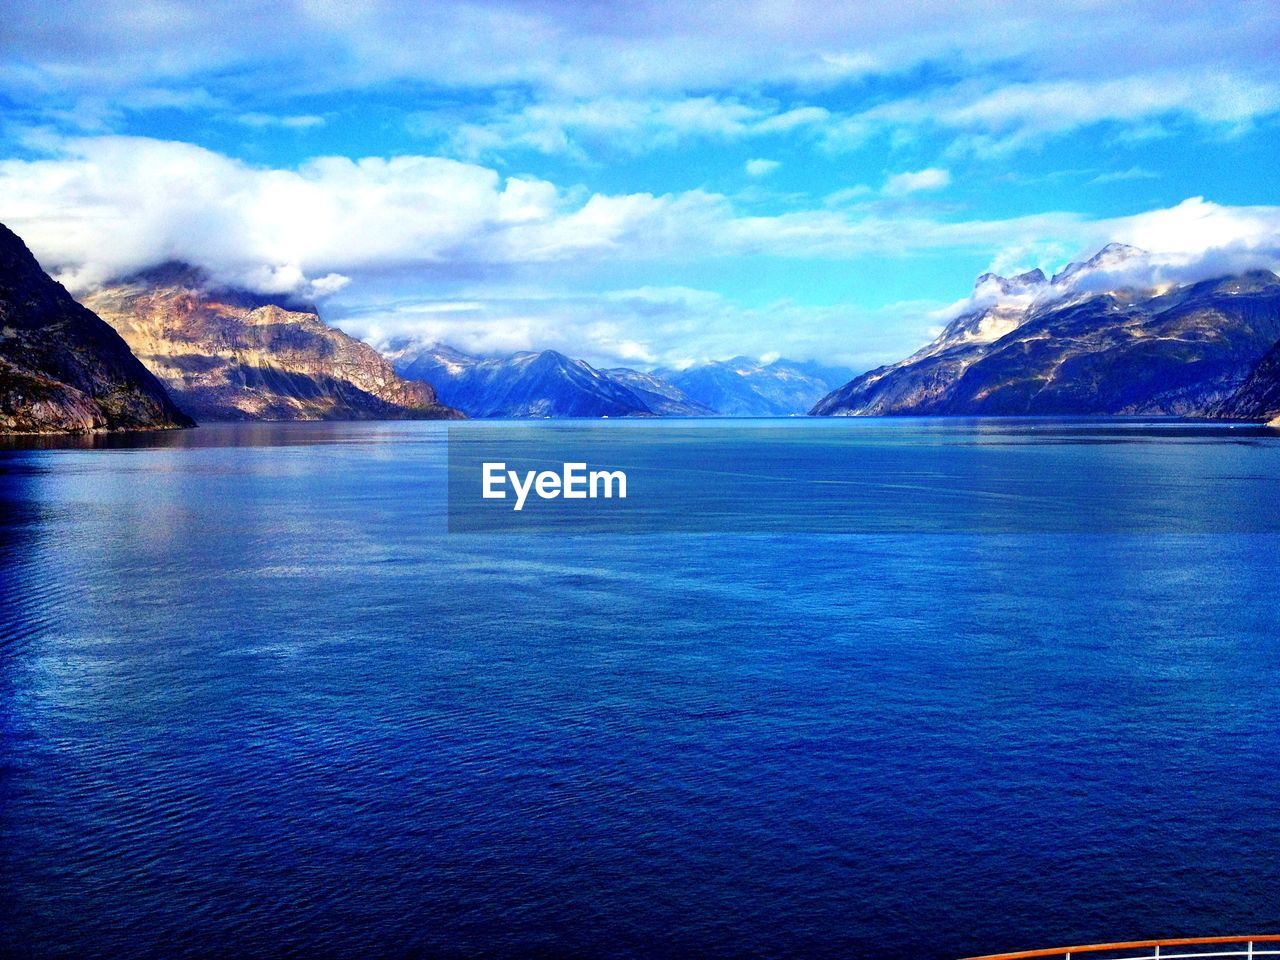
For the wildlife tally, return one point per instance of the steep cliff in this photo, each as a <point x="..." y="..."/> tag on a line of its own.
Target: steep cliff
<point x="62" y="369"/>
<point x="1259" y="397"/>
<point x="228" y="354"/>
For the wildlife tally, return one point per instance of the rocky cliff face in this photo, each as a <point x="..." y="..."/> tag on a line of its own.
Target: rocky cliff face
<point x="62" y="369"/>
<point x="232" y="355"/>
<point x="1070" y="345"/>
<point x="1259" y="397"/>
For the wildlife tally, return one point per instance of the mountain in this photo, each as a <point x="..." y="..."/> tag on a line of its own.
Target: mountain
<point x="62" y="369"/>
<point x="228" y="354"/>
<point x="1088" y="341"/>
<point x="1259" y="396"/>
<point x="546" y="384"/>
<point x="745" y="388"/>
<point x="549" y="384"/>
<point x="661" y="396"/>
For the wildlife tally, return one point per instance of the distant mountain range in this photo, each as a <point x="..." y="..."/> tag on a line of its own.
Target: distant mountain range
<point x="550" y="384"/>
<point x="745" y="388"/>
<point x="227" y="354"/>
<point x="62" y="370"/>
<point x="1084" y="343"/>
<point x="546" y="384"/>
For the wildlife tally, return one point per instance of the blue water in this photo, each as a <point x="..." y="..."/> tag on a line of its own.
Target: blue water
<point x="256" y="702"/>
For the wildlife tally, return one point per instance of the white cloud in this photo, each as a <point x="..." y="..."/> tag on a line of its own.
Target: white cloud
<point x="794" y="119"/>
<point x="687" y="296"/>
<point x="847" y="195"/>
<point x="1122" y="176"/>
<point x="931" y="178"/>
<point x="656" y="65"/>
<point x="985" y="117"/>
<point x="353" y="230"/>
<point x="111" y="204"/>
<point x="293" y="122"/>
<point x="327" y="285"/>
<point x="1193" y="241"/>
<point x="760" y="167"/>
<point x="611" y="124"/>
<point x="992" y="118"/>
<point x="648" y="328"/>
<point x="1051" y="106"/>
<point x="648" y="44"/>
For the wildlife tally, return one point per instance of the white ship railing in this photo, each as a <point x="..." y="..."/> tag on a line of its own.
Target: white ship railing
<point x="1186" y="948"/>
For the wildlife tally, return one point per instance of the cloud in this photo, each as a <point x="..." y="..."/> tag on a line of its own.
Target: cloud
<point x="360" y="231"/>
<point x="847" y="195"/>
<point x="1192" y="241"/>
<point x="1123" y="176"/>
<point x="993" y="118"/>
<point x="675" y="326"/>
<point x="931" y="178"/>
<point x="647" y="327"/>
<point x="1188" y="243"/>
<point x="999" y="78"/>
<point x="582" y="128"/>
<point x="563" y="45"/>
<point x="105" y="205"/>
<point x="760" y="167"/>
<point x="1062" y="105"/>
<point x="294" y="122"/>
<point x="980" y="116"/>
<point x="499" y="86"/>
<point x="108" y="205"/>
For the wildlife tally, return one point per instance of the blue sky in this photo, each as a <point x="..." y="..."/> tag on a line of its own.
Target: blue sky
<point x="649" y="183"/>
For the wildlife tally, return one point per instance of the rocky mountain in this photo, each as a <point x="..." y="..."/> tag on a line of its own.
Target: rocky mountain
<point x="1088" y="341"/>
<point x="228" y="354"/>
<point x="546" y="384"/>
<point x="62" y="369"/>
<point x="661" y="396"/>
<point x="742" y="387"/>
<point x="1259" y="396"/>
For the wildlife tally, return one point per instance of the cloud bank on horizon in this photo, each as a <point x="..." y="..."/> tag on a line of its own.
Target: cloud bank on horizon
<point x="654" y="182"/>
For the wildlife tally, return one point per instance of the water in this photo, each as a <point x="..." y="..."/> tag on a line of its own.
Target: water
<point x="256" y="702"/>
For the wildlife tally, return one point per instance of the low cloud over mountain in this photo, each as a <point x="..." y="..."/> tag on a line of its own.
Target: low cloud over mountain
<point x="1123" y="332"/>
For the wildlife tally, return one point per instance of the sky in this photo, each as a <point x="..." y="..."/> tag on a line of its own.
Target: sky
<point x="641" y="183"/>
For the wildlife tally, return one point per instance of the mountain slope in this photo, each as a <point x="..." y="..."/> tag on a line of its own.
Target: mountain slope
<point x="546" y="384"/>
<point x="661" y="396"/>
<point x="1259" y="396"/>
<point x="231" y="355"/>
<point x="62" y="369"/>
<point x="742" y="387"/>
<point x="1070" y="346"/>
